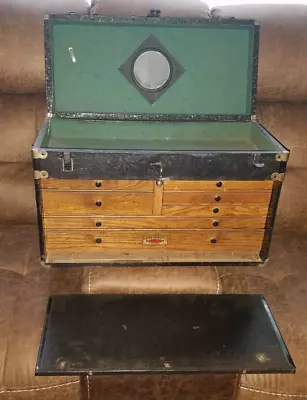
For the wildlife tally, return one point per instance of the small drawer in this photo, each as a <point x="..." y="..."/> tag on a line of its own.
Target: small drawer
<point x="84" y="184"/>
<point x="205" y="197"/>
<point x="58" y="203"/>
<point x="102" y="223"/>
<point x="217" y="185"/>
<point x="164" y="240"/>
<point x="210" y="210"/>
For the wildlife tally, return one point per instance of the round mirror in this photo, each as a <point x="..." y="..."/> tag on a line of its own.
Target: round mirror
<point x="151" y="70"/>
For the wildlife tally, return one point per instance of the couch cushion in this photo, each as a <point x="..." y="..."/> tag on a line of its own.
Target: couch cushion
<point x="21" y="41"/>
<point x="17" y="196"/>
<point x="21" y="116"/>
<point x="283" y="55"/>
<point x="23" y="300"/>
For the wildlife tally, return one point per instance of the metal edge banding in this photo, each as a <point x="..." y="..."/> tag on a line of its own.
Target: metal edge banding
<point x="150" y="117"/>
<point x="114" y="19"/>
<point x="278" y="334"/>
<point x="157" y="264"/>
<point x="48" y="65"/>
<point x="255" y="68"/>
<point x="39" y="214"/>
<point x="269" y="224"/>
<point x="43" y="336"/>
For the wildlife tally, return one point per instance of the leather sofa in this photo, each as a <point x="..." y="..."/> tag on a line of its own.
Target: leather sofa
<point x="25" y="285"/>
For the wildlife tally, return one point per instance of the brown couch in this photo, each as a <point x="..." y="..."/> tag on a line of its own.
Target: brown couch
<point x="25" y="286"/>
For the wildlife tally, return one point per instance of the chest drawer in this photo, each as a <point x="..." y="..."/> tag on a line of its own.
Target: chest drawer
<point x="90" y="203"/>
<point x="217" y="185"/>
<point x="210" y="210"/>
<point x="102" y="222"/>
<point x="230" y="197"/>
<point x="98" y="185"/>
<point x="209" y="240"/>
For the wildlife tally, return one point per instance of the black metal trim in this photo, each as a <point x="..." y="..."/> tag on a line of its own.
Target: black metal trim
<point x="269" y="224"/>
<point x="152" y="117"/>
<point x="255" y="67"/>
<point x="39" y="206"/>
<point x="43" y="335"/>
<point x="132" y="19"/>
<point x="149" y="21"/>
<point x="48" y="65"/>
<point x="153" y="165"/>
<point x="156" y="264"/>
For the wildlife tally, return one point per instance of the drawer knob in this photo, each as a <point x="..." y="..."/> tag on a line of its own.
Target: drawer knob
<point x="212" y="240"/>
<point x="98" y="203"/>
<point x="217" y="198"/>
<point x="215" y="223"/>
<point x="98" y="223"/>
<point x="215" y="210"/>
<point x="98" y="240"/>
<point x="98" y="184"/>
<point x="219" y="184"/>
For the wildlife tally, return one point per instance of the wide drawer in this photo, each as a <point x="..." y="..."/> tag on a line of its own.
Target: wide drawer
<point x="210" y="210"/>
<point x="90" y="203"/>
<point x="84" y="184"/>
<point x="218" y="185"/>
<point x="211" y="240"/>
<point x="233" y="197"/>
<point x="153" y="223"/>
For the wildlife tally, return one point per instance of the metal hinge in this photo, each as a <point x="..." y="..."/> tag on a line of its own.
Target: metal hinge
<point x="42" y="154"/>
<point x="40" y="174"/>
<point x="278" y="177"/>
<point x="282" y="157"/>
<point x="254" y="118"/>
<point x="68" y="162"/>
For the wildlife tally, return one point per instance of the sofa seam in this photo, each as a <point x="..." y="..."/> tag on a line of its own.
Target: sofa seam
<point x="273" y="393"/>
<point x="218" y="283"/>
<point x="40" y="388"/>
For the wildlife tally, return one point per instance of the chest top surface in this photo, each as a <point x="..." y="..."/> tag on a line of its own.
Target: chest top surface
<point x="115" y="68"/>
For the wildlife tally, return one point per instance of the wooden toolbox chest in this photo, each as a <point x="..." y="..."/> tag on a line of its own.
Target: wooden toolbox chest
<point x="151" y="154"/>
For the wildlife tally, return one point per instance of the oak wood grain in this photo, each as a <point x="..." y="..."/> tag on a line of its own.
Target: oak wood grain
<point x="141" y="256"/>
<point x="87" y="203"/>
<point x="232" y="197"/>
<point x="207" y="210"/>
<point x="212" y="185"/>
<point x="97" y="185"/>
<point x="226" y="240"/>
<point x="153" y="222"/>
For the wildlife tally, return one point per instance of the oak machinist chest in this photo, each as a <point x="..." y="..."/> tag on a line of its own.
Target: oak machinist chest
<point x="151" y="151"/>
<point x="151" y="154"/>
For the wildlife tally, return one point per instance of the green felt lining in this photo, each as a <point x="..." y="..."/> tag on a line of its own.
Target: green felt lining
<point x="156" y="136"/>
<point x="217" y="59"/>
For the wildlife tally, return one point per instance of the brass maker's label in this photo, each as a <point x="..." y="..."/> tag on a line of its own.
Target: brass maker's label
<point x="154" y="241"/>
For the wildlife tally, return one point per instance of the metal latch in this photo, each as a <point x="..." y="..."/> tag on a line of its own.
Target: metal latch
<point x="257" y="162"/>
<point x="158" y="164"/>
<point x="68" y="162"/>
<point x="154" y="13"/>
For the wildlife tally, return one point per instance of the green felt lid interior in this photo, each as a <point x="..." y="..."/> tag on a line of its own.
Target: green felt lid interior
<point x="85" y="55"/>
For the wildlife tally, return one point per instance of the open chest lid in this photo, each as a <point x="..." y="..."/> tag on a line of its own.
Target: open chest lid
<point x="150" y="68"/>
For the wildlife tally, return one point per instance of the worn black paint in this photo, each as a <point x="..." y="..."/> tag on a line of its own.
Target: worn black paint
<point x="90" y="164"/>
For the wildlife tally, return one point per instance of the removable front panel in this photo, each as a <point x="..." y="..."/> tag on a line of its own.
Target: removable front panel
<point x="135" y="334"/>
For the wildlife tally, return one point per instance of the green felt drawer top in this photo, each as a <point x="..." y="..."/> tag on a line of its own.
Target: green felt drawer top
<point x="216" y="66"/>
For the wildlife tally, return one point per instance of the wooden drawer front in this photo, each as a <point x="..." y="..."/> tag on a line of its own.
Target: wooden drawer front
<point x="83" y="184"/>
<point x="218" y="185"/>
<point x="210" y="240"/>
<point x="88" y="203"/>
<point x="215" y="197"/>
<point x="211" y="210"/>
<point x="153" y="223"/>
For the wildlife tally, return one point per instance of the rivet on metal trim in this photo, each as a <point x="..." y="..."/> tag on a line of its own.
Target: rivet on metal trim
<point x="72" y="54"/>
